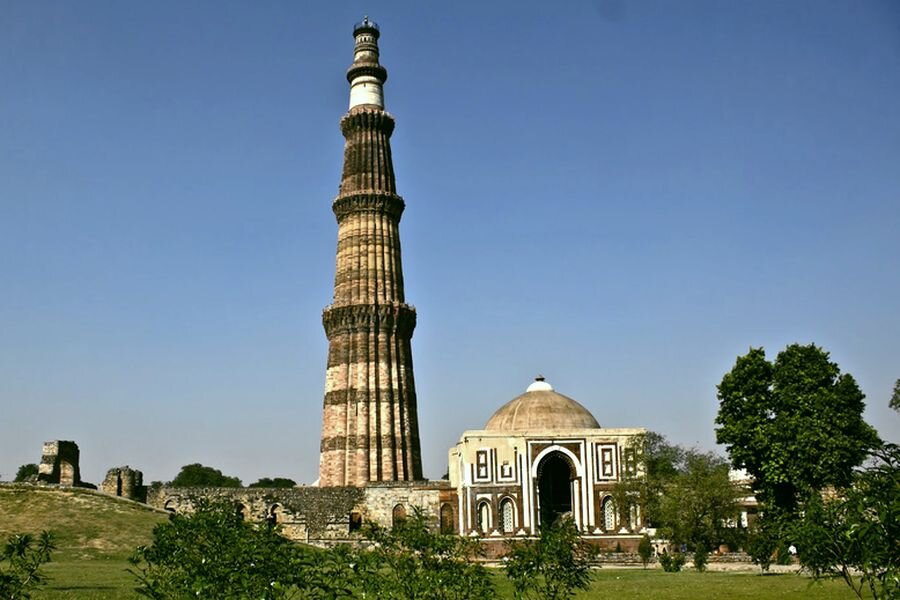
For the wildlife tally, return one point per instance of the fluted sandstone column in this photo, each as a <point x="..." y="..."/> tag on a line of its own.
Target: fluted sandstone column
<point x="370" y="429"/>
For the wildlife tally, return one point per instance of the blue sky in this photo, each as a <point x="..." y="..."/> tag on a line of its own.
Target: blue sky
<point x="622" y="196"/>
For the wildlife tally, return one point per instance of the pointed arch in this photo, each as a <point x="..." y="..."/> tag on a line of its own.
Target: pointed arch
<point x="507" y="515"/>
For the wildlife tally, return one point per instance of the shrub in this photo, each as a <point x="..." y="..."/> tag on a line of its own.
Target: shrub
<point x="413" y="561"/>
<point x="701" y="558"/>
<point x="645" y="549"/>
<point x="213" y="553"/>
<point x="20" y="564"/>
<point x="671" y="563"/>
<point x="551" y="567"/>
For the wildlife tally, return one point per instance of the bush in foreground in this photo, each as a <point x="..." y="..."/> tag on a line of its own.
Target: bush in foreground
<point x="551" y="567"/>
<point x="20" y="564"/>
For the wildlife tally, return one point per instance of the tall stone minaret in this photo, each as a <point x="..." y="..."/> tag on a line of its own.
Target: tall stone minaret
<point x="370" y="430"/>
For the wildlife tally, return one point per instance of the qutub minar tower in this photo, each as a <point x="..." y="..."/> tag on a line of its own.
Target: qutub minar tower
<point x="370" y="429"/>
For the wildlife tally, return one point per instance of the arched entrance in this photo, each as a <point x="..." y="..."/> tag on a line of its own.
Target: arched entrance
<point x="554" y="481"/>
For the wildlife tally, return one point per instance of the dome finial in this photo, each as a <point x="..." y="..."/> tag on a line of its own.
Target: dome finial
<point x="539" y="385"/>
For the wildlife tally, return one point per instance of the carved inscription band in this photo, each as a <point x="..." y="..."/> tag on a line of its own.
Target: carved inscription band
<point x="350" y="442"/>
<point x="382" y="203"/>
<point x="399" y="318"/>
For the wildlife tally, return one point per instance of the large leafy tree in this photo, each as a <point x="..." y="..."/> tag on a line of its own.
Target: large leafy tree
<point x="895" y="397"/>
<point x="699" y="505"/>
<point x="855" y="535"/>
<point x="794" y="424"/>
<point x="197" y="475"/>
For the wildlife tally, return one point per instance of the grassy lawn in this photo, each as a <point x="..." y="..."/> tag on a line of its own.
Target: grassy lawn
<point x="98" y="578"/>
<point x="637" y="584"/>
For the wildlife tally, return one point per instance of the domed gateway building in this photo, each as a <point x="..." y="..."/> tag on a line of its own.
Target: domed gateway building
<point x="540" y="456"/>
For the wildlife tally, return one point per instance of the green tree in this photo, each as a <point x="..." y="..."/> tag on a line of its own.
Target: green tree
<point x="197" y="475"/>
<point x="20" y="564"/>
<point x="794" y="424"/>
<point x="551" y="567"/>
<point x="412" y="561"/>
<point x="762" y="541"/>
<point x="213" y="553"/>
<point x="277" y="482"/>
<point x="855" y="535"/>
<point x="895" y="397"/>
<point x="658" y="463"/>
<point x="26" y="471"/>
<point x="645" y="550"/>
<point x="699" y="504"/>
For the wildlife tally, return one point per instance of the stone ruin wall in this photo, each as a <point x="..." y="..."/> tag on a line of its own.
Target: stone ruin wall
<point x="59" y="463"/>
<point x="318" y="516"/>
<point x="125" y="482"/>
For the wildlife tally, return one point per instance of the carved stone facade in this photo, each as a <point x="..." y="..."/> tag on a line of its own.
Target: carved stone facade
<point x="370" y="430"/>
<point x="59" y="463"/>
<point x="541" y="456"/>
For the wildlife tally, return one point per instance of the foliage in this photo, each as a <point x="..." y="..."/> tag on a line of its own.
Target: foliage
<point x="699" y="503"/>
<point x="671" y="563"/>
<point x="26" y="471"/>
<point x="895" y="397"/>
<point x="20" y="564"/>
<point x="659" y="462"/>
<point x="795" y="425"/>
<point x="684" y="493"/>
<point x="645" y="550"/>
<point x="701" y="558"/>
<point x="277" y="482"/>
<point x="856" y="535"/>
<point x="197" y="475"/>
<point x="213" y="553"/>
<point x="761" y="544"/>
<point x="414" y="561"/>
<point x="550" y="567"/>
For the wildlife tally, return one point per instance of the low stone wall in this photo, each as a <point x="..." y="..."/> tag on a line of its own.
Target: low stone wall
<point x="319" y="516"/>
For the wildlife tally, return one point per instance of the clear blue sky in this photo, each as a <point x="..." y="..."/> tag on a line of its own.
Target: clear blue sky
<point x="622" y="196"/>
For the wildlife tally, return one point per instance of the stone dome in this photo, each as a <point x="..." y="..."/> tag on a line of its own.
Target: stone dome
<point x="541" y="408"/>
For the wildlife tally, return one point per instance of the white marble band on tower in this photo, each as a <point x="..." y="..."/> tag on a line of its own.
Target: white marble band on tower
<point x="366" y="75"/>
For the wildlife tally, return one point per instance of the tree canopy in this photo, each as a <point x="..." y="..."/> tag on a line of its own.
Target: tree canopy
<point x="276" y="482"/>
<point x="855" y="535"/>
<point x="685" y="493"/>
<point x="26" y="471"/>
<point x="895" y="397"/>
<point x="197" y="475"/>
<point x="699" y="504"/>
<point x="794" y="424"/>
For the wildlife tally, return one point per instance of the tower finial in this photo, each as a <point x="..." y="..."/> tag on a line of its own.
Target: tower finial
<point x="366" y="75"/>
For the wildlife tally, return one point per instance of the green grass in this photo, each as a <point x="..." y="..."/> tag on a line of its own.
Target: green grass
<point x="94" y="533"/>
<point x="97" y="533"/>
<point x="637" y="584"/>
